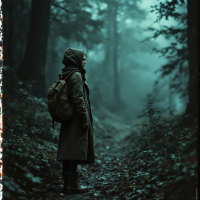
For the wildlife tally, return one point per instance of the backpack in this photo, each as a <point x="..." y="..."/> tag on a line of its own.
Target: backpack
<point x="58" y="101"/>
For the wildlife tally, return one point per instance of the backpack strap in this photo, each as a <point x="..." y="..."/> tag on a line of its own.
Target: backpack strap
<point x="60" y="75"/>
<point x="69" y="75"/>
<point x="82" y="80"/>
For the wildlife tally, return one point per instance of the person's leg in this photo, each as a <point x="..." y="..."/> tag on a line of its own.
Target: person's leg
<point x="69" y="166"/>
<point x="65" y="166"/>
<point x="64" y="173"/>
<point x="72" y="167"/>
<point x="71" y="178"/>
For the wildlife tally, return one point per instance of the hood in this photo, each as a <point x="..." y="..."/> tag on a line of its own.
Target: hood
<point x="73" y="57"/>
<point x="72" y="60"/>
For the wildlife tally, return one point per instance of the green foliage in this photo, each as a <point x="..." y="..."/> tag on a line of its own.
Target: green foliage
<point x="75" y="22"/>
<point x="29" y="149"/>
<point x="167" y="169"/>
<point x="176" y="52"/>
<point x="168" y="9"/>
<point x="150" y="112"/>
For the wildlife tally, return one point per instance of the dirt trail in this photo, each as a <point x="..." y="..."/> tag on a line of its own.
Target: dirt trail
<point x="123" y="170"/>
<point x="106" y="178"/>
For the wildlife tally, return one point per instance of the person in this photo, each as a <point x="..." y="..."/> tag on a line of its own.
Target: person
<point x="75" y="144"/>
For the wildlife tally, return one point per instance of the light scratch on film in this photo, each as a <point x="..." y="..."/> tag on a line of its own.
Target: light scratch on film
<point x="1" y="109"/>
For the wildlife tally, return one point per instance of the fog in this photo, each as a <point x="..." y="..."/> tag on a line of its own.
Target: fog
<point x="136" y="61"/>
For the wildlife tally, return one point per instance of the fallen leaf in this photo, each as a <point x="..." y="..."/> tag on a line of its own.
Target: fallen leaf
<point x="166" y="141"/>
<point x="94" y="169"/>
<point x="129" y="188"/>
<point x="103" y="190"/>
<point x="102" y="178"/>
<point x="193" y="158"/>
<point x="113" y="192"/>
<point x="186" y="138"/>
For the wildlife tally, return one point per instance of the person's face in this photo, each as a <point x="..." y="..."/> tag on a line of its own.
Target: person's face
<point x="83" y="61"/>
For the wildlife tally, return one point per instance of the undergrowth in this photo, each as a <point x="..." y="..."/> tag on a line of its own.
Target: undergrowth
<point x="164" y="153"/>
<point x="165" y="160"/>
<point x="29" y="146"/>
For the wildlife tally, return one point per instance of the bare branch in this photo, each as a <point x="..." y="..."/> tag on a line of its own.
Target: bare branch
<point x="52" y="4"/>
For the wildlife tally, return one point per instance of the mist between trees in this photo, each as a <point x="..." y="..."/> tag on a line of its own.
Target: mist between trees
<point x="118" y="37"/>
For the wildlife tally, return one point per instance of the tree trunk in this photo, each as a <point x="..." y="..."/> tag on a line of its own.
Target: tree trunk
<point x="22" y="25"/>
<point x="10" y="34"/>
<point x="32" y="66"/>
<point x="192" y="87"/>
<point x="7" y="7"/>
<point x="171" y="95"/>
<point x="115" y="56"/>
<point x="52" y="60"/>
<point x="108" y="44"/>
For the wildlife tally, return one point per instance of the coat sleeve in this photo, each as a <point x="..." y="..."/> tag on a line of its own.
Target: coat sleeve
<point x="78" y="97"/>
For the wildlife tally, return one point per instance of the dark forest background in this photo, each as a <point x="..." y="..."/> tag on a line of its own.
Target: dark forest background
<point x="134" y="49"/>
<point x="36" y="33"/>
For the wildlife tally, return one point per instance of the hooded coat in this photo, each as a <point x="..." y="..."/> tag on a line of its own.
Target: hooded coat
<point x="75" y="143"/>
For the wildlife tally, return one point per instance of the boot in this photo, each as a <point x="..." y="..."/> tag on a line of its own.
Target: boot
<point x="65" y="178"/>
<point x="73" y="186"/>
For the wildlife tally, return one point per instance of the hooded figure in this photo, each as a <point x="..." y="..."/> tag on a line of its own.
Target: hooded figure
<point x="75" y="144"/>
<point x="72" y="60"/>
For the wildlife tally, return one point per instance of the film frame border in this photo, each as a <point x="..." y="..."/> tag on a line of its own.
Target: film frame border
<point x="1" y="106"/>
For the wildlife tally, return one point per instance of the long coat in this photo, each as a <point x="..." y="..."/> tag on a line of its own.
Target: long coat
<point x="75" y="143"/>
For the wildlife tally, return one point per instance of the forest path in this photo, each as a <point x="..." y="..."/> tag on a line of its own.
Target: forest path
<point x="107" y="177"/>
<point x="125" y="170"/>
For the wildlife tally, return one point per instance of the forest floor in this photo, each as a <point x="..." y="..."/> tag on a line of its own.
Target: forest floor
<point x="154" y="160"/>
<point x="106" y="178"/>
<point x="128" y="167"/>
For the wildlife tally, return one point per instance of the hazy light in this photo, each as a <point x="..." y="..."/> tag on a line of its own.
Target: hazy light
<point x="128" y="21"/>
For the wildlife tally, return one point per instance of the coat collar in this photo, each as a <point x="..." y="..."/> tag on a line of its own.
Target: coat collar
<point x="86" y="85"/>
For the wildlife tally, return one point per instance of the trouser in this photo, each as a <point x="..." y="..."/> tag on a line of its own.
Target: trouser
<point x="69" y="166"/>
